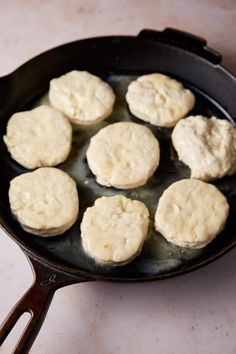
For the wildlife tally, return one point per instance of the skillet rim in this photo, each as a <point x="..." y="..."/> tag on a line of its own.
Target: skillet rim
<point x="76" y="271"/>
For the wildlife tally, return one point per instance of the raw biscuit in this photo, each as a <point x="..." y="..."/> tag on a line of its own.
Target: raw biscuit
<point x="39" y="137"/>
<point x="159" y="99"/>
<point x="84" y="98"/>
<point x="45" y="201"/>
<point x="123" y="155"/>
<point x="207" y="146"/>
<point x="114" y="229"/>
<point x="190" y="213"/>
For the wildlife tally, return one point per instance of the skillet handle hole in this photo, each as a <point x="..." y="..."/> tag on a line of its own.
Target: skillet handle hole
<point x="30" y="311"/>
<point x="16" y="327"/>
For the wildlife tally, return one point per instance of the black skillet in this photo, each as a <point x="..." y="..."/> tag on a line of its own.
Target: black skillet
<point x="118" y="59"/>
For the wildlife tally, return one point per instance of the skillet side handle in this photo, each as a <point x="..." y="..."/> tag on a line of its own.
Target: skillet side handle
<point x="184" y="40"/>
<point x="36" y="301"/>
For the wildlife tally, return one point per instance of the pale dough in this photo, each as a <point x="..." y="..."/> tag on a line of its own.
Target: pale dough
<point x="159" y="99"/>
<point x="190" y="213"/>
<point x="207" y="146"/>
<point x="114" y="229"/>
<point x="123" y="155"/>
<point x="40" y="137"/>
<point x="45" y="201"/>
<point x="84" y="98"/>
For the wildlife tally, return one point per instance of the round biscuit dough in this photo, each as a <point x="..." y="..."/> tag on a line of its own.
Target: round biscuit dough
<point x="45" y="201"/>
<point x="123" y="155"/>
<point x="190" y="213"/>
<point x="40" y="137"/>
<point x="207" y="146"/>
<point x="159" y="99"/>
<point x="114" y="229"/>
<point x="84" y="98"/>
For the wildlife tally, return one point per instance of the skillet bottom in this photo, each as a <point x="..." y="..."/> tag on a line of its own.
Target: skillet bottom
<point x="158" y="258"/>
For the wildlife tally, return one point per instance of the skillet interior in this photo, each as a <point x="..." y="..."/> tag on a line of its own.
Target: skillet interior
<point x="119" y="60"/>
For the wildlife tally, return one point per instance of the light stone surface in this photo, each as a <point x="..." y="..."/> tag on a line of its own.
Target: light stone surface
<point x="194" y="313"/>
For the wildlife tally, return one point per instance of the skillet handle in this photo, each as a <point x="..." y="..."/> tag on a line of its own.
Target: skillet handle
<point x="5" y="93"/>
<point x="36" y="301"/>
<point x="184" y="40"/>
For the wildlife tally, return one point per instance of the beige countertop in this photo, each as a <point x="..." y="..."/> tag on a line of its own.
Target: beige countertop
<point x="195" y="313"/>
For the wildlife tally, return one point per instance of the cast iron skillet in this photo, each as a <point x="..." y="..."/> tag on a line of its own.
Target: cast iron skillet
<point x="61" y="261"/>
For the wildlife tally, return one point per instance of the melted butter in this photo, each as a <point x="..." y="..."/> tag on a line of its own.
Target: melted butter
<point x="158" y="256"/>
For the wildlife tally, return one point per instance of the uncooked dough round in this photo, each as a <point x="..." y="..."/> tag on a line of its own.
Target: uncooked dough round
<point x="40" y="137"/>
<point x="114" y="229"/>
<point x="123" y="155"/>
<point x="84" y="98"/>
<point x="159" y="99"/>
<point x="190" y="213"/>
<point x="45" y="201"/>
<point x="207" y="146"/>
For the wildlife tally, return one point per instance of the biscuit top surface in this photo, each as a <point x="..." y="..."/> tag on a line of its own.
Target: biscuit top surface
<point x="123" y="154"/>
<point x="82" y="97"/>
<point x="43" y="199"/>
<point x="159" y="99"/>
<point x="40" y="137"/>
<point x="191" y="213"/>
<point x="206" y="145"/>
<point x="114" y="229"/>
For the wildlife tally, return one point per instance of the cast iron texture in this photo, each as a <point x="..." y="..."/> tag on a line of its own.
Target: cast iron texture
<point x="114" y="58"/>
